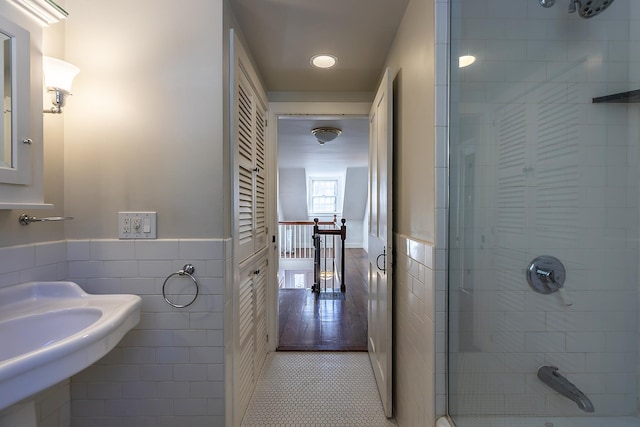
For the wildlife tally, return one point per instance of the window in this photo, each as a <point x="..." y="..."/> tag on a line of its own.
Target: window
<point x="324" y="195"/>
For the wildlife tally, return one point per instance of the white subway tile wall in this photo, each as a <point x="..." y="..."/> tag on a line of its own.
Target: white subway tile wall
<point x="168" y="370"/>
<point x="168" y="367"/>
<point x="415" y="325"/>
<point x="26" y="263"/>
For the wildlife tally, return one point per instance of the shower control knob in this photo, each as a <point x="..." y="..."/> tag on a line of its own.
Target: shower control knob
<point x="546" y="274"/>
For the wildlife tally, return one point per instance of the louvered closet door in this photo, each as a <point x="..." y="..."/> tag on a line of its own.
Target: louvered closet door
<point x="245" y="375"/>
<point x="260" y="298"/>
<point x="252" y="325"/>
<point x="244" y="132"/>
<point x="260" y="224"/>
<point x="250" y="230"/>
<point x="250" y="130"/>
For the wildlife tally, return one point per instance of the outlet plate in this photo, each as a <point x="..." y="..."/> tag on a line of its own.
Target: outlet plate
<point x="137" y="225"/>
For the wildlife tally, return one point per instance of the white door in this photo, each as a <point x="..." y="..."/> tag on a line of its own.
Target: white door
<point x="380" y="239"/>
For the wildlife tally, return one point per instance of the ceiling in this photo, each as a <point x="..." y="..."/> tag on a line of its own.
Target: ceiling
<point x="298" y="148"/>
<point x="282" y="35"/>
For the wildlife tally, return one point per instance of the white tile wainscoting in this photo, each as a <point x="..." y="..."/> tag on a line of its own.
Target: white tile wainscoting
<point x="168" y="369"/>
<point x="415" y="341"/>
<point x="26" y="263"/>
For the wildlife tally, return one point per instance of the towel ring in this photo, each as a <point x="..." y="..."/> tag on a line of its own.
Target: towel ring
<point x="187" y="270"/>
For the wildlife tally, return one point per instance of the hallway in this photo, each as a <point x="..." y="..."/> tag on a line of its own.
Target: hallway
<point x="309" y="324"/>
<point x="316" y="389"/>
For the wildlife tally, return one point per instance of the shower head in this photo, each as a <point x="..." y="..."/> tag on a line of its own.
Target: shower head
<point x="574" y="5"/>
<point x="585" y="8"/>
<point x="591" y="8"/>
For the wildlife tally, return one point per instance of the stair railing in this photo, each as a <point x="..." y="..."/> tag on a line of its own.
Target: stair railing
<point x="324" y="253"/>
<point x="295" y="238"/>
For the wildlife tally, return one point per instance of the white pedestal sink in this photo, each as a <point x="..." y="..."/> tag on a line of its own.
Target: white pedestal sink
<point x="50" y="331"/>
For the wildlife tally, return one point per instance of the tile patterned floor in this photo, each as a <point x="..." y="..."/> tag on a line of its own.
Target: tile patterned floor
<point x="316" y="389"/>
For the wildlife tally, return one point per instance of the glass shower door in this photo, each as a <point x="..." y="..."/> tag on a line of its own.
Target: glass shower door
<point x="538" y="168"/>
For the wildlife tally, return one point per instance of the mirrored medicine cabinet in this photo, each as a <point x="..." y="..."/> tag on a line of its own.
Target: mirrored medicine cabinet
<point x="15" y="141"/>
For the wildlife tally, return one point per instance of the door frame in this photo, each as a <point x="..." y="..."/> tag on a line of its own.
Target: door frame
<point x="288" y="109"/>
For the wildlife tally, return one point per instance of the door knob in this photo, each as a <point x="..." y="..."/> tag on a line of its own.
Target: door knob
<point x="384" y="261"/>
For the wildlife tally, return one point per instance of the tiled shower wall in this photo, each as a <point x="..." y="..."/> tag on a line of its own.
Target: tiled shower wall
<point x="168" y="369"/>
<point x="550" y="174"/>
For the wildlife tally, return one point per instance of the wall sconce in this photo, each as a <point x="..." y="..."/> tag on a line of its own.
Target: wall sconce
<point x="58" y="76"/>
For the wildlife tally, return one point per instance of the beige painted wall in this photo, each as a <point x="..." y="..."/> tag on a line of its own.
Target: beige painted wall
<point x="144" y="129"/>
<point x="412" y="59"/>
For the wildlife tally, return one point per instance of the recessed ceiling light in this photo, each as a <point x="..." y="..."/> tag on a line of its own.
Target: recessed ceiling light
<point x="323" y="60"/>
<point x="466" y="60"/>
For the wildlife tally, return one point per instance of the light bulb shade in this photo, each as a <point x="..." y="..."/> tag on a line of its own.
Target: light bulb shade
<point x="325" y="134"/>
<point x="58" y="74"/>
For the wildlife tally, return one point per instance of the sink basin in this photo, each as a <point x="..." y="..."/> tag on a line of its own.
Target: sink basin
<point x="50" y="331"/>
<point x="44" y="329"/>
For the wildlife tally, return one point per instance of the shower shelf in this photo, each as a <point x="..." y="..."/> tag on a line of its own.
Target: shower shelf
<point x="629" y="97"/>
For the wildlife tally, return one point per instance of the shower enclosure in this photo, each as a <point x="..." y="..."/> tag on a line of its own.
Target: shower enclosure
<point x="544" y="153"/>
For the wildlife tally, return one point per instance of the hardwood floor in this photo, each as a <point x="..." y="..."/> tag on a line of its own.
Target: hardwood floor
<point x="310" y="324"/>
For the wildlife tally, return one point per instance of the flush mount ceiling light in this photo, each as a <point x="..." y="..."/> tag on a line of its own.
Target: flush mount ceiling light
<point x="323" y="60"/>
<point x="325" y="134"/>
<point x="466" y="60"/>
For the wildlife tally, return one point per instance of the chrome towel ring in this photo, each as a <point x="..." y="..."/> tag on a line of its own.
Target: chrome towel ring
<point x="187" y="270"/>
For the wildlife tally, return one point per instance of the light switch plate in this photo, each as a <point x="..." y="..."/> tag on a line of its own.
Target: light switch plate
<point x="137" y="225"/>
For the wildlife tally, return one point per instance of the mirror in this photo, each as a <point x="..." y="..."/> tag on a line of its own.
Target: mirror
<point x="15" y="95"/>
<point x="6" y="155"/>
